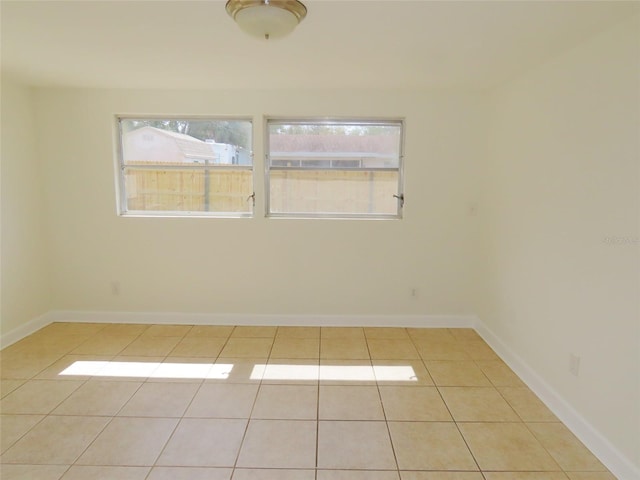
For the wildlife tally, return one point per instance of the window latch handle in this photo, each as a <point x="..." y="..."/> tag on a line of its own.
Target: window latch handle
<point x="400" y="198"/>
<point x="252" y="197"/>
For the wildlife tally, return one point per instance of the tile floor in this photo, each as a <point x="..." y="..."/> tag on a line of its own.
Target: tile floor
<point x="104" y="401"/>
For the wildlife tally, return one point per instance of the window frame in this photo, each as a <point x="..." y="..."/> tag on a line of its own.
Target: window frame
<point x="360" y="121"/>
<point x="120" y="166"/>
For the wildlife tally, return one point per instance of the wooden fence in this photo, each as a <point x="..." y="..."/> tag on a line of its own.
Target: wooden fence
<point x="313" y="191"/>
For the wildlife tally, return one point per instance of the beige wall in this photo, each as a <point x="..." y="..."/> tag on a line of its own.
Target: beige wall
<point x="24" y="270"/>
<point x="261" y="265"/>
<point x="560" y="221"/>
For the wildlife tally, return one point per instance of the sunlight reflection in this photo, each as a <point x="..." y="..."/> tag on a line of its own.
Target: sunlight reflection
<point x="361" y="373"/>
<point x="149" y="369"/>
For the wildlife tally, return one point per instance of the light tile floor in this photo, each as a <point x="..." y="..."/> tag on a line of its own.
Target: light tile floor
<point x="129" y="402"/>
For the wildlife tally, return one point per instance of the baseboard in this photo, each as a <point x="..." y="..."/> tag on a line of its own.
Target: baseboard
<point x="602" y="448"/>
<point x="24" y="330"/>
<point x="178" y="318"/>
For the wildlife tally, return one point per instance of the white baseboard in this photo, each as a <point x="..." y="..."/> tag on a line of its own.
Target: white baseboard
<point x="24" y="330"/>
<point x="176" y="318"/>
<point x="602" y="448"/>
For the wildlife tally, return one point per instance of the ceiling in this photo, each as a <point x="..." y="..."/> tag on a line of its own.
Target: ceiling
<point x="341" y="44"/>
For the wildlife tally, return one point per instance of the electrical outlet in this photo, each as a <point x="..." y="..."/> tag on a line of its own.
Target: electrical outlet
<point x="414" y="292"/>
<point x="115" y="288"/>
<point x="574" y="364"/>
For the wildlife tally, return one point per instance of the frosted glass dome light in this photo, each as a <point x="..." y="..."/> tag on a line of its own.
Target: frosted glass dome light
<point x="266" y="18"/>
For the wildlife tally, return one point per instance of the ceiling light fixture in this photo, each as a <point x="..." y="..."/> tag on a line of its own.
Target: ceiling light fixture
<point x="267" y="18"/>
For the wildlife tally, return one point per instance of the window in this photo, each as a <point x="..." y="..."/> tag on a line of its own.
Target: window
<point x="185" y="166"/>
<point x="334" y="168"/>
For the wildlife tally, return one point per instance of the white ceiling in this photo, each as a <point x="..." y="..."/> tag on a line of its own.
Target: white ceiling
<point x="358" y="43"/>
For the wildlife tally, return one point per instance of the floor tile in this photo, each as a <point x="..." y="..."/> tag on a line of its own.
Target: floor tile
<point x="182" y="369"/>
<point x="401" y="372"/>
<point x="204" y="443"/>
<point x="477" y="404"/>
<point x="103" y="345"/>
<point x="357" y="475"/>
<point x="189" y="473"/>
<point x="285" y="347"/>
<point x="160" y="400"/>
<point x="286" y="402"/>
<point x="350" y="402"/>
<point x="80" y="472"/>
<point x="525" y="476"/>
<point x="279" y="444"/>
<point x="126" y="329"/>
<point x="434" y="350"/>
<point x="61" y="344"/>
<point x="130" y="368"/>
<point x="392" y="349"/>
<point x="223" y="401"/>
<point x="456" y="374"/>
<point x="198" y="347"/>
<point x="129" y="441"/>
<point x="9" y="385"/>
<point x="295" y="371"/>
<point x="354" y="445"/>
<point x="167" y="330"/>
<point x="499" y="373"/>
<point x="506" y="447"/>
<point x="441" y="335"/>
<point x="342" y="332"/>
<point x="344" y="348"/>
<point x="479" y="350"/>
<point x="528" y="407"/>
<point x="421" y="404"/>
<point x="590" y="476"/>
<point x="55" y="440"/>
<point x="298" y="332"/>
<point x="98" y="398"/>
<point x="565" y="448"/>
<point x="147" y="345"/>
<point x="26" y="365"/>
<point x="441" y="476"/>
<point x="32" y="472"/>
<point x="220" y="331"/>
<point x="254" y="332"/>
<point x="430" y="446"/>
<point x="91" y="364"/>
<point x="247" y="347"/>
<point x="346" y="372"/>
<point x="465" y="334"/>
<point x="72" y="328"/>
<point x="38" y="396"/>
<point x="12" y="427"/>
<point x="237" y="370"/>
<point x="273" y="474"/>
<point x="386" y="332"/>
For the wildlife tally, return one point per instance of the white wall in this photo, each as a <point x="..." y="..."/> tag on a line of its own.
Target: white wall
<point x="24" y="267"/>
<point x="560" y="220"/>
<point x="262" y="265"/>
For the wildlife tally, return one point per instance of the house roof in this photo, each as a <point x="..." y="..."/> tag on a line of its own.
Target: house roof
<point x="190" y="147"/>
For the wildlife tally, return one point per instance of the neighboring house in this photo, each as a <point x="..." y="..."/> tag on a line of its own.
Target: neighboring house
<point x="155" y="145"/>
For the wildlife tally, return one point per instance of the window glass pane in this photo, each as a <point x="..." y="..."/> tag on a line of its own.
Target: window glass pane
<point x="179" y="190"/>
<point x="335" y="145"/>
<point x="186" y="166"/>
<point x="335" y="168"/>
<point x="334" y="192"/>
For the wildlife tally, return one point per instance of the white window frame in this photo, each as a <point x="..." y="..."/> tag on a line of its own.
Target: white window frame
<point x="400" y="196"/>
<point x="121" y="193"/>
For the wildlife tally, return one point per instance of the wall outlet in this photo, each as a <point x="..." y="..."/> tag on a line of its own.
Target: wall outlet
<point x="413" y="292"/>
<point x="574" y="364"/>
<point x="115" y="288"/>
